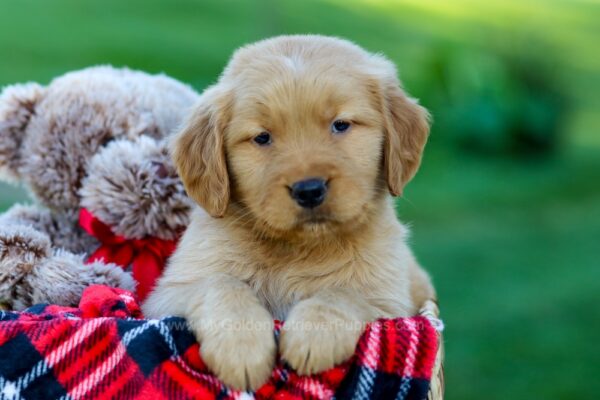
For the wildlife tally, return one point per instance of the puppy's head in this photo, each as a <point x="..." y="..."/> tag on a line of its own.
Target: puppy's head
<point x="303" y="135"/>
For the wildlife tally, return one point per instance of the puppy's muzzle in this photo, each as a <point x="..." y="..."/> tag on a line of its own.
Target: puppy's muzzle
<point x="309" y="193"/>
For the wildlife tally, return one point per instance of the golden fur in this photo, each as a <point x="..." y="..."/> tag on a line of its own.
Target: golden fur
<point x="259" y="255"/>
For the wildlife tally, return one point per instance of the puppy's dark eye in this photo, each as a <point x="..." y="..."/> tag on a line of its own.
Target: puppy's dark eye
<point x="340" y="126"/>
<point x="263" y="139"/>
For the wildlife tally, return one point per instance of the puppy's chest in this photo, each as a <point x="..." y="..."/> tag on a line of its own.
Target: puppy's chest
<point x="281" y="285"/>
<point x="277" y="301"/>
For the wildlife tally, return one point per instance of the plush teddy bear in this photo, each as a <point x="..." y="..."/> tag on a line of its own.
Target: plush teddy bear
<point x="88" y="146"/>
<point x="134" y="202"/>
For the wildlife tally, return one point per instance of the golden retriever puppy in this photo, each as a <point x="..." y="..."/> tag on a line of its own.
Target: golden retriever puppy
<point x="293" y="155"/>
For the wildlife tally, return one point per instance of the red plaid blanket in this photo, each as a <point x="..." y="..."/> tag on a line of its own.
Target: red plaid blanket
<point x="105" y="350"/>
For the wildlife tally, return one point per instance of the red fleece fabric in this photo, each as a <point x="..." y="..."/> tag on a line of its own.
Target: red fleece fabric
<point x="104" y="349"/>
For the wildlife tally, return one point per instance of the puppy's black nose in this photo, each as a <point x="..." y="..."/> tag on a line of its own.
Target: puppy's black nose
<point x="309" y="193"/>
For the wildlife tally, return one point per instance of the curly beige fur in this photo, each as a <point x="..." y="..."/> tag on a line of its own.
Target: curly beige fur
<point x="133" y="187"/>
<point x="32" y="272"/>
<point x="58" y="226"/>
<point x="91" y="138"/>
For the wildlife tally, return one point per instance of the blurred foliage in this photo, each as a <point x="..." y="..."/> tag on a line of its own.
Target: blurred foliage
<point x="498" y="103"/>
<point x="511" y="238"/>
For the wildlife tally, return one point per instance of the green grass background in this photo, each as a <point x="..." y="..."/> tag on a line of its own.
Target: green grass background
<point x="513" y="243"/>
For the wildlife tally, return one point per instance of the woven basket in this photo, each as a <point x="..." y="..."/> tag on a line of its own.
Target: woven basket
<point x="431" y="311"/>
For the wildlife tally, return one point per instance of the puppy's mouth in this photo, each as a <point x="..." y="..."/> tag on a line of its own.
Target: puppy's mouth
<point x="314" y="218"/>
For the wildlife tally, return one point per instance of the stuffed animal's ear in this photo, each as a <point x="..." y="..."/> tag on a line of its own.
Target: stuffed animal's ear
<point x="17" y="105"/>
<point x="198" y="151"/>
<point x="406" y="132"/>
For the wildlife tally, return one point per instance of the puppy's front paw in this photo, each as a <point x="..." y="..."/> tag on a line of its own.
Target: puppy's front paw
<point x="317" y="336"/>
<point x="240" y="352"/>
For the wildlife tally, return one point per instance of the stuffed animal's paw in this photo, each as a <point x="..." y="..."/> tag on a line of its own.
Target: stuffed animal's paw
<point x="22" y="244"/>
<point x="316" y="337"/>
<point x="62" y="278"/>
<point x="98" y="273"/>
<point x="22" y="249"/>
<point x="241" y="353"/>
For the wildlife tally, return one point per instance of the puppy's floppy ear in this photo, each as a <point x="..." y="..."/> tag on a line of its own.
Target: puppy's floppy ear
<point x="198" y="151"/>
<point x="406" y="131"/>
